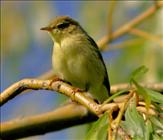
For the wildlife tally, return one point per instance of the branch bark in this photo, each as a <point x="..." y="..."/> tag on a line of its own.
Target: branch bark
<point x="58" y="86"/>
<point x="63" y="117"/>
<point x="65" y="89"/>
<point x="154" y="86"/>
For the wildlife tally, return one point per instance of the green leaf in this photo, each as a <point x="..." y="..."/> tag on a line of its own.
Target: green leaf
<point x="99" y="129"/>
<point x="155" y="96"/>
<point x="156" y="122"/>
<point x="148" y="130"/>
<point x="137" y="138"/>
<point x="138" y="72"/>
<point x="142" y="91"/>
<point x="114" y="95"/>
<point x="156" y="137"/>
<point x="134" y="124"/>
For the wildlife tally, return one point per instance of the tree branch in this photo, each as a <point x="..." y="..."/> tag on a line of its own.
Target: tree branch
<point x="154" y="86"/>
<point x="65" y="89"/>
<point x="110" y="16"/>
<point x="58" y="86"/>
<point x="63" y="117"/>
<point x="128" y="26"/>
<point x="146" y="35"/>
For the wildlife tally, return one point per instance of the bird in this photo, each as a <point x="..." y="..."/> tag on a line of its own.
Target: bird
<point x="76" y="58"/>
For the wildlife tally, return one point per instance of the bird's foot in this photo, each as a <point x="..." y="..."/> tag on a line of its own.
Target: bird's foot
<point x="74" y="91"/>
<point x="77" y="90"/>
<point x="55" y="78"/>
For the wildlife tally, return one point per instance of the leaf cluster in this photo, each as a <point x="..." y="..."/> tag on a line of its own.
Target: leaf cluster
<point x="135" y="124"/>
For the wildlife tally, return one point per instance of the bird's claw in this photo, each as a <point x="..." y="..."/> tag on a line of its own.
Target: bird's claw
<point x="54" y="80"/>
<point x="75" y="90"/>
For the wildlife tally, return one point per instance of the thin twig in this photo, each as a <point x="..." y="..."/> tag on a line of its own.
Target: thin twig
<point x="128" y="26"/>
<point x="127" y="43"/>
<point x="147" y="36"/>
<point x="154" y="86"/>
<point x="116" y="122"/>
<point x="148" y="112"/>
<point x="110" y="17"/>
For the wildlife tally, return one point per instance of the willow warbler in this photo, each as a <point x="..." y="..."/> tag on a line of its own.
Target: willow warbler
<point x="77" y="59"/>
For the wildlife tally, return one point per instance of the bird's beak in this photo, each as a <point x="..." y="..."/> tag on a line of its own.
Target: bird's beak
<point x="46" y="28"/>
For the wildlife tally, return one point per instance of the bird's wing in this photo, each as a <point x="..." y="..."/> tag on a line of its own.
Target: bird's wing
<point x="106" y="79"/>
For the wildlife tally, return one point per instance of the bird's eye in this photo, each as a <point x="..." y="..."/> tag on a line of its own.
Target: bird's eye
<point x="63" y="25"/>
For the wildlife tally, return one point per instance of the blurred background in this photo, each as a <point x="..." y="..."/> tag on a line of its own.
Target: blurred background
<point x="26" y="51"/>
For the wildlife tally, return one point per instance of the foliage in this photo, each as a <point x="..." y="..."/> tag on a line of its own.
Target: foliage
<point x="136" y="125"/>
<point x="98" y="129"/>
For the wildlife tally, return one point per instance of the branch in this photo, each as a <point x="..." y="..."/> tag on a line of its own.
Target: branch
<point x="146" y="35"/>
<point x="65" y="89"/>
<point x="124" y="44"/>
<point x="110" y="16"/>
<point x="63" y="117"/>
<point x="128" y="26"/>
<point x="58" y="86"/>
<point x="154" y="86"/>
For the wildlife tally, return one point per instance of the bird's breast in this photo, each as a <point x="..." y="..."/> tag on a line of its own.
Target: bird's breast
<point x="67" y="62"/>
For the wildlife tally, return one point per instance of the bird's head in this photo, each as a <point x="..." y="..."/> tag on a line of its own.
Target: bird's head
<point x="62" y="27"/>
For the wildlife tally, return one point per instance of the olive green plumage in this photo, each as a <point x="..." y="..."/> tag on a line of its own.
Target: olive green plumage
<point x="77" y="59"/>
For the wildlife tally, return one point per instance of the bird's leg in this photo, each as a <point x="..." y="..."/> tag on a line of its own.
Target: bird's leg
<point x="54" y="79"/>
<point x="74" y="91"/>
